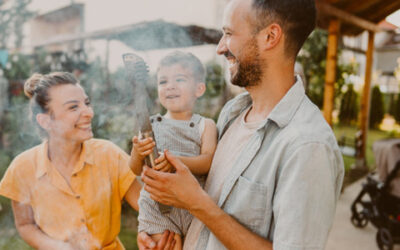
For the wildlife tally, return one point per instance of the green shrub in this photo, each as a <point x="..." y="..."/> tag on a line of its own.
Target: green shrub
<point x="396" y="112"/>
<point x="349" y="106"/>
<point x="376" y="112"/>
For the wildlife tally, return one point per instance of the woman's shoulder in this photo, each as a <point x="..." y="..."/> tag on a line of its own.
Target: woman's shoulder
<point x="30" y="154"/>
<point x="25" y="161"/>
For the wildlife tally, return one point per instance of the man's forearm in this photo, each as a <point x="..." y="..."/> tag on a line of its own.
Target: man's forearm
<point x="229" y="231"/>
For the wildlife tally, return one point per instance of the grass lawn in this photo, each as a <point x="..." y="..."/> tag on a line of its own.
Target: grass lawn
<point x="372" y="136"/>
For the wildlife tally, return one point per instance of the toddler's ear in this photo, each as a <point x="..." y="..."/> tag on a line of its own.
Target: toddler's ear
<point x="200" y="89"/>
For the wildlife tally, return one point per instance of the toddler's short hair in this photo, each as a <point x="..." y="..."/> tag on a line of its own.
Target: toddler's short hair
<point x="188" y="61"/>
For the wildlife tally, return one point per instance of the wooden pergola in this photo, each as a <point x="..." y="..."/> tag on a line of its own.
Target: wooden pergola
<point x="351" y="17"/>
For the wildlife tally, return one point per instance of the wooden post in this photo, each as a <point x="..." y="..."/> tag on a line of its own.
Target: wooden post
<point x="330" y="75"/>
<point x="365" y="102"/>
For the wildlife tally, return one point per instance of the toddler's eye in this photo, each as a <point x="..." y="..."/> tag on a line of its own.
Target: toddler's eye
<point x="181" y="80"/>
<point x="162" y="82"/>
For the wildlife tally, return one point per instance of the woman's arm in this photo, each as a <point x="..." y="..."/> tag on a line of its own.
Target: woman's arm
<point x="133" y="193"/>
<point x="31" y="233"/>
<point x="200" y="165"/>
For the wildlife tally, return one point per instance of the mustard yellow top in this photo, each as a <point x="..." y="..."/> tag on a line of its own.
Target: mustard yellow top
<point x="89" y="209"/>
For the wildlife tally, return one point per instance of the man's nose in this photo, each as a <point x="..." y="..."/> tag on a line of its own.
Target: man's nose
<point x="221" y="48"/>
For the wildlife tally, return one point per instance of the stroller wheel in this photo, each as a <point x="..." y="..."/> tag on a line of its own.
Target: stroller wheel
<point x="384" y="239"/>
<point x="359" y="220"/>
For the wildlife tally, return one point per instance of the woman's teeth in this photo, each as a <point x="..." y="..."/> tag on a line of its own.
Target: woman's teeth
<point x="84" y="126"/>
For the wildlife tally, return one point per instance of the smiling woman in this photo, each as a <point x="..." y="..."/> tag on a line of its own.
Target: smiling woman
<point x="67" y="192"/>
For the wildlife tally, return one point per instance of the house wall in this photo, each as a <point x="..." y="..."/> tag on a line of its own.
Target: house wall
<point x="385" y="61"/>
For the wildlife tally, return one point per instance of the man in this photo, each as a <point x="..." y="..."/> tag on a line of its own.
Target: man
<point x="277" y="171"/>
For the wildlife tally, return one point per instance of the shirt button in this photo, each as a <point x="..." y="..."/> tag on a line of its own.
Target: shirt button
<point x="74" y="175"/>
<point x="78" y="197"/>
<point x="82" y="220"/>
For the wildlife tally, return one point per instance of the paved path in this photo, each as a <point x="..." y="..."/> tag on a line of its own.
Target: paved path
<point x="344" y="236"/>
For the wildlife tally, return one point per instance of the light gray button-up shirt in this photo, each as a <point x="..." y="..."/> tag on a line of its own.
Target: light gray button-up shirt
<point x="285" y="183"/>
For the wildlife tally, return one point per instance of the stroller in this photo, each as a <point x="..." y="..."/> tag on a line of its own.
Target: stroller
<point x="376" y="204"/>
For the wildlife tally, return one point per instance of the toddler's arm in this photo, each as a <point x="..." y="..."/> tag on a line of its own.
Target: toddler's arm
<point x="140" y="149"/>
<point x="200" y="165"/>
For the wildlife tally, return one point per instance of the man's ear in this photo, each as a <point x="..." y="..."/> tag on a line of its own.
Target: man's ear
<point x="43" y="120"/>
<point x="200" y="89"/>
<point x="271" y="36"/>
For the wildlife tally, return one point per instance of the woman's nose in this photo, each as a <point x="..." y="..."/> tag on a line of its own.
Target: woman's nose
<point x="88" y="112"/>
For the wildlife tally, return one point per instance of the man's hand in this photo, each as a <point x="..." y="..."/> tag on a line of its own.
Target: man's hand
<point x="145" y="242"/>
<point x="179" y="189"/>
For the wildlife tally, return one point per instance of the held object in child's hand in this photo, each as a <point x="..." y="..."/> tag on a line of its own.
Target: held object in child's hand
<point x="138" y="75"/>
<point x="150" y="159"/>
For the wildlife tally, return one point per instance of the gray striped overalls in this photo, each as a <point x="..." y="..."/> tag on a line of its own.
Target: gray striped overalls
<point x="181" y="138"/>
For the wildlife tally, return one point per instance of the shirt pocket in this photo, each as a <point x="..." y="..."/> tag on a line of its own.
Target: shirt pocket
<point x="247" y="203"/>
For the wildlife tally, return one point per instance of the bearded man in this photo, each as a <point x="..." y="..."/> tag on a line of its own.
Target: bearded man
<point x="277" y="171"/>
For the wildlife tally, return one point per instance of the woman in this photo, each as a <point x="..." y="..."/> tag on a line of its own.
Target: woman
<point x="66" y="192"/>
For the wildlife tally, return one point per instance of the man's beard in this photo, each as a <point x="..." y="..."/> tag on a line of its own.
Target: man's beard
<point x="249" y="69"/>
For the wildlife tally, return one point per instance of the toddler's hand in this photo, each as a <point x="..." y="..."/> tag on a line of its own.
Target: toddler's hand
<point x="163" y="165"/>
<point x="142" y="148"/>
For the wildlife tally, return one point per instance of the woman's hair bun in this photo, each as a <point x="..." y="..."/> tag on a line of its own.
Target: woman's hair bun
<point x="31" y="84"/>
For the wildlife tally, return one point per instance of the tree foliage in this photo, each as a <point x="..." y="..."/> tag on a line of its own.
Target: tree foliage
<point x="215" y="80"/>
<point x="12" y="21"/>
<point x="313" y="60"/>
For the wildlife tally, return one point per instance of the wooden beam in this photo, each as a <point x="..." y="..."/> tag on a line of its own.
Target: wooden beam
<point x="365" y="101"/>
<point x="330" y="10"/>
<point x="330" y="75"/>
<point x="379" y="14"/>
<point x="359" y="6"/>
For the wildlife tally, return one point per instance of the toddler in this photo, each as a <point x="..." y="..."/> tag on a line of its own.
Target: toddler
<point x="189" y="136"/>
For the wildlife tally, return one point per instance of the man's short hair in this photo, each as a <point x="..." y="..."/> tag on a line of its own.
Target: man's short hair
<point x="188" y="61"/>
<point x="297" y="19"/>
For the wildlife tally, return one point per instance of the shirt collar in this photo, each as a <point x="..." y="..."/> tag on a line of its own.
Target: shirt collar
<point x="282" y="113"/>
<point x="43" y="162"/>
